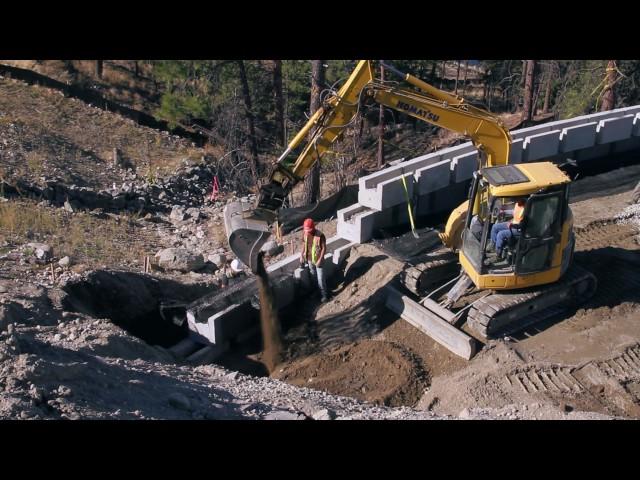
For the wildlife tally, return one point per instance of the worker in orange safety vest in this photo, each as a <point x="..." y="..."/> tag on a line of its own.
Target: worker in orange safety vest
<point x="501" y="232"/>
<point x="314" y="246"/>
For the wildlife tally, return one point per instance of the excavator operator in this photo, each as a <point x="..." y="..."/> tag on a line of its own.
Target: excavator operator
<point x="314" y="246"/>
<point x="501" y="232"/>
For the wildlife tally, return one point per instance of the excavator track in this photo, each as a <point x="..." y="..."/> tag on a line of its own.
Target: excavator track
<point x="502" y="314"/>
<point x="437" y="267"/>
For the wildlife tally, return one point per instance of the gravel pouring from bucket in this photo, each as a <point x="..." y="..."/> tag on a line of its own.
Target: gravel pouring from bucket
<point x="247" y="231"/>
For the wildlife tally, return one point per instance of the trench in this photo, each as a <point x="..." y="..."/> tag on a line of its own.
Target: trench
<point x="133" y="302"/>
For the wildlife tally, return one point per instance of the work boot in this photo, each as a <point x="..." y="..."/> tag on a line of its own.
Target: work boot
<point x="325" y="298"/>
<point x="491" y="247"/>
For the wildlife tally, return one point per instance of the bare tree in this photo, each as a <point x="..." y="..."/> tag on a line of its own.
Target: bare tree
<point x="99" y="65"/>
<point x="527" y="112"/>
<point x="464" y="81"/>
<point x="457" y="78"/>
<point x="432" y="74"/>
<point x="547" y="93"/>
<point x="279" y="101"/>
<point x="609" y="95"/>
<point x="253" y="144"/>
<point x="312" y="181"/>
<point x="381" y="127"/>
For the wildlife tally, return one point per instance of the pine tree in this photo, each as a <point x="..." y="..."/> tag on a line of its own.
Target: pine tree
<point x="312" y="181"/>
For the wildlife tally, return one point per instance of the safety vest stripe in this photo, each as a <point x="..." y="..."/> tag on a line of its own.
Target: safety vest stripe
<point x="314" y="249"/>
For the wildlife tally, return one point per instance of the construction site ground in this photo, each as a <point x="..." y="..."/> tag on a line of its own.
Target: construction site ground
<point x="350" y="358"/>
<point x="587" y="359"/>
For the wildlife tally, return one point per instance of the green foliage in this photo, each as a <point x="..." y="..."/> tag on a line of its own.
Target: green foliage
<point x="583" y="82"/>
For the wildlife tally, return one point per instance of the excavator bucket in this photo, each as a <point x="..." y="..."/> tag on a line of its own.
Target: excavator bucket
<point x="246" y="232"/>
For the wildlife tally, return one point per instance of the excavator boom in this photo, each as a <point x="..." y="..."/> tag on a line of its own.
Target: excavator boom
<point x="248" y="229"/>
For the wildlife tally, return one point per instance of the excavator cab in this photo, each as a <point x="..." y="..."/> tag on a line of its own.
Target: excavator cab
<point x="534" y="248"/>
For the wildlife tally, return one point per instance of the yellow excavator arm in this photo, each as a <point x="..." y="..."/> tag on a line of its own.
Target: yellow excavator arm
<point x="247" y="231"/>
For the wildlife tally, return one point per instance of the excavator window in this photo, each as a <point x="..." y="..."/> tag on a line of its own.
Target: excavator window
<point x="540" y="232"/>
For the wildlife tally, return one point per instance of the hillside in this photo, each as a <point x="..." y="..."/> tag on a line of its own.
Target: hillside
<point x="45" y="134"/>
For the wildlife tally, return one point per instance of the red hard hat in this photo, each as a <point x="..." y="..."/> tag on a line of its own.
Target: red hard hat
<point x="308" y="225"/>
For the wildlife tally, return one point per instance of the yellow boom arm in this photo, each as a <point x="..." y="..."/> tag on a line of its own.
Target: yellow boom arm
<point x="248" y="230"/>
<point x="430" y="105"/>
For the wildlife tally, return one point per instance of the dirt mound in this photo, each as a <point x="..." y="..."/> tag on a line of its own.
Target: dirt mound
<point x="379" y="372"/>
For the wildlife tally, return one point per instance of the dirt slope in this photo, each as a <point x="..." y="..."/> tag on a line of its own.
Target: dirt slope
<point x="45" y="134"/>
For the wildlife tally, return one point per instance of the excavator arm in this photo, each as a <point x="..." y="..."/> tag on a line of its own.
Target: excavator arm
<point x="324" y="128"/>
<point x="248" y="229"/>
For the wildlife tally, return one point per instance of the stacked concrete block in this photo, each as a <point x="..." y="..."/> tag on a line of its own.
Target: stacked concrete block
<point x="632" y="143"/>
<point x="340" y="254"/>
<point x="615" y="129"/>
<point x="561" y="124"/>
<point x="223" y="325"/>
<point x="432" y="178"/>
<point x="515" y="152"/>
<point x="541" y="146"/>
<point x="463" y="166"/>
<point x="389" y="192"/>
<point x="356" y="223"/>
<point x="408" y="167"/>
<point x="578" y="137"/>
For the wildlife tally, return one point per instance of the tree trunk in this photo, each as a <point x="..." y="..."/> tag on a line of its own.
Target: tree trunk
<point x="442" y="72"/>
<point x="523" y="80"/>
<point x="609" y="96"/>
<point x="99" y="68"/>
<point x="536" y="97"/>
<point x="527" y="111"/>
<point x="312" y="181"/>
<point x="279" y="102"/>
<point x="547" y="93"/>
<point x="136" y="67"/>
<point x="432" y="74"/>
<point x="464" y="81"/>
<point x="253" y="145"/>
<point x="455" y="90"/>
<point x="381" y="127"/>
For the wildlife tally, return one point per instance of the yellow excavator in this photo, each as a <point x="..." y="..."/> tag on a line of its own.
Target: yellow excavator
<point x="534" y="271"/>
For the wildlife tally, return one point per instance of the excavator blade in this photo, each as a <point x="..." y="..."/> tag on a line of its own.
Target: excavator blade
<point x="247" y="231"/>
